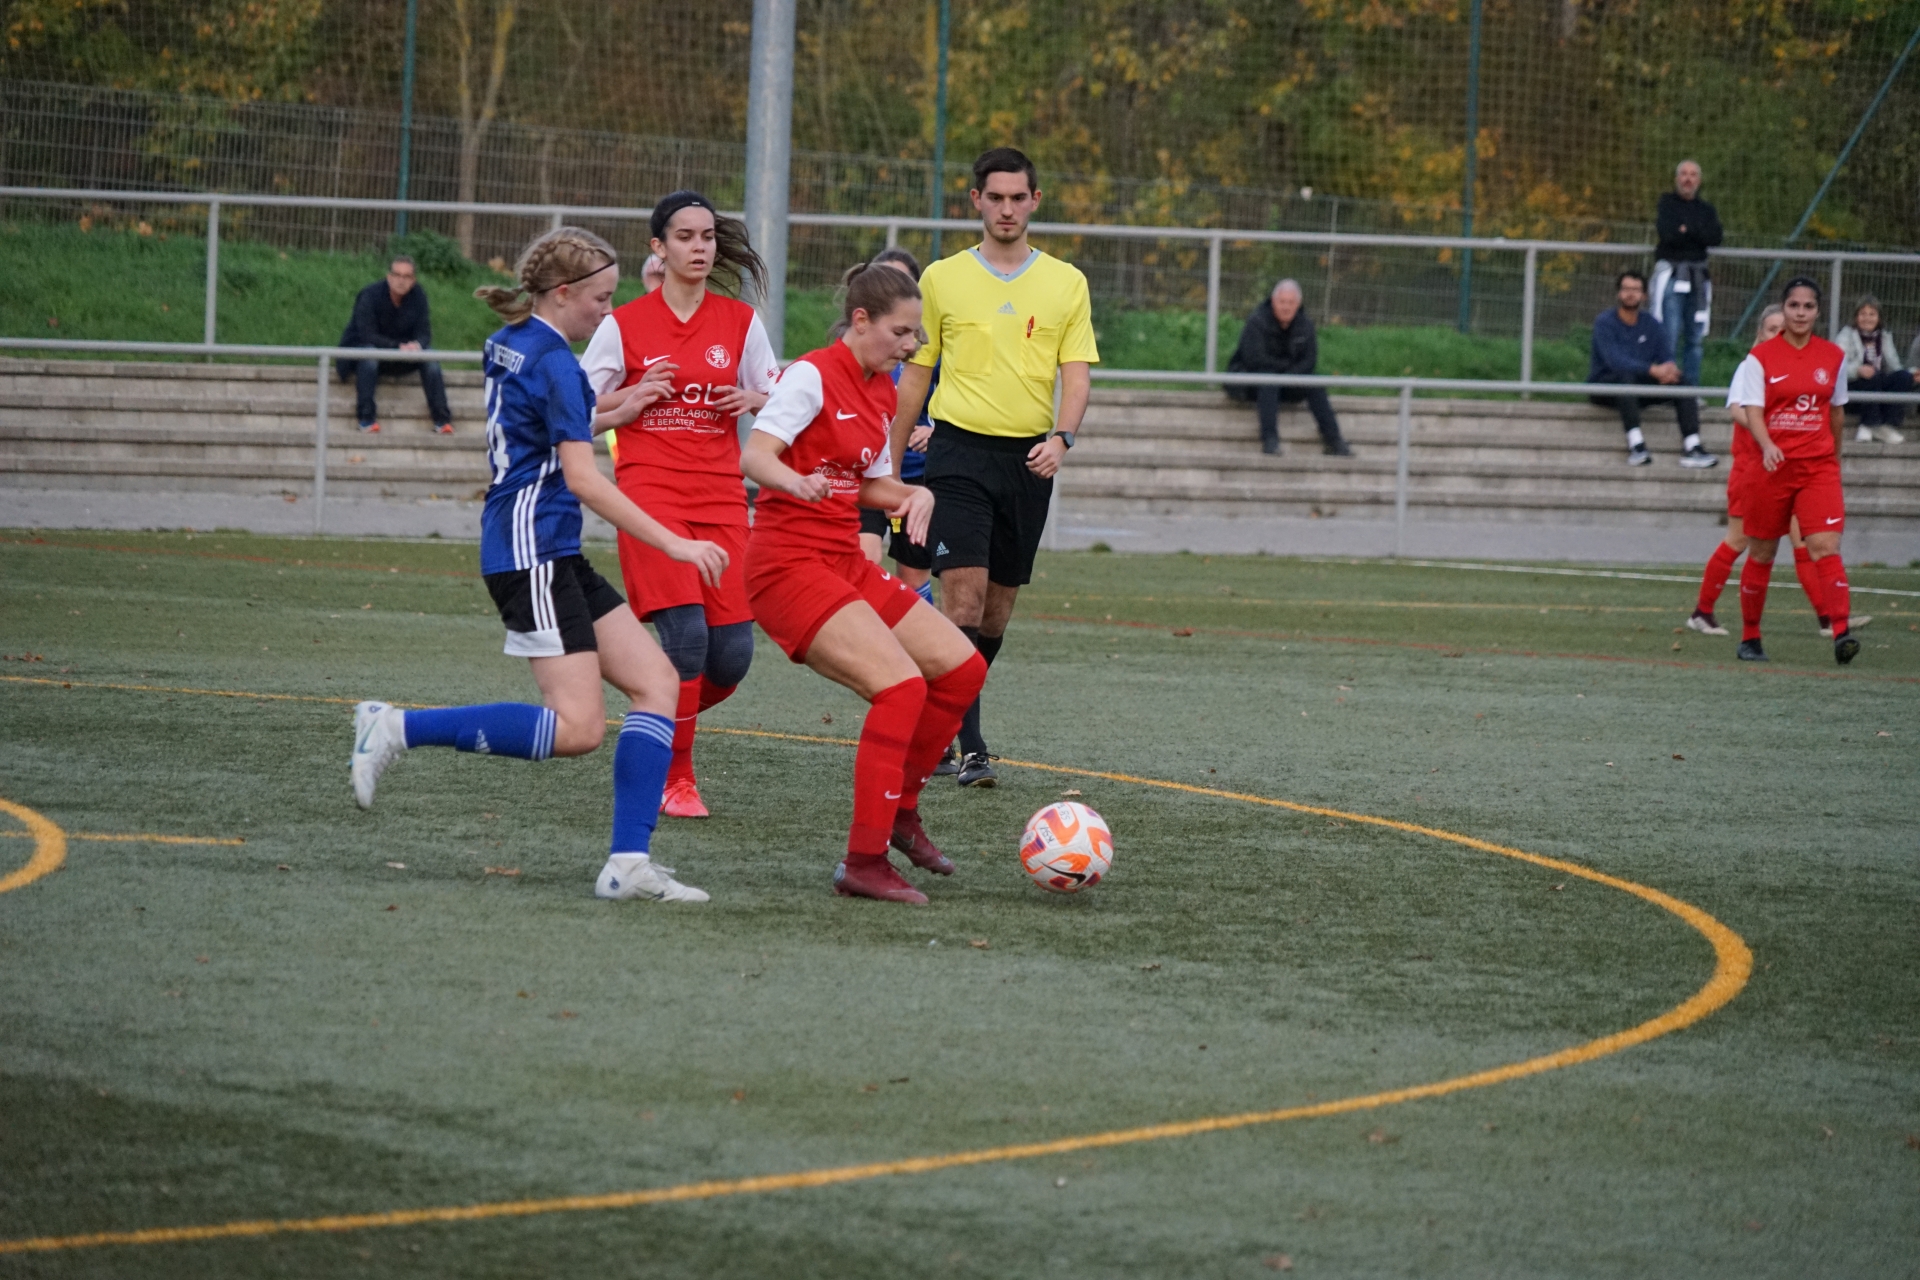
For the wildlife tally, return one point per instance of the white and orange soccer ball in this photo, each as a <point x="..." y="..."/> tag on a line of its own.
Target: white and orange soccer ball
<point x="1066" y="848"/>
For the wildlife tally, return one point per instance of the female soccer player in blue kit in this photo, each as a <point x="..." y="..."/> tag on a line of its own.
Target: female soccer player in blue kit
<point x="572" y="626"/>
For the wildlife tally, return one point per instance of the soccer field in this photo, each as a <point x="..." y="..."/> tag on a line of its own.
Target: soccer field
<point x="1278" y="1038"/>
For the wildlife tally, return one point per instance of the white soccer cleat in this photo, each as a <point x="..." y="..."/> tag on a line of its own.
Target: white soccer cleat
<point x="379" y="736"/>
<point x="634" y="875"/>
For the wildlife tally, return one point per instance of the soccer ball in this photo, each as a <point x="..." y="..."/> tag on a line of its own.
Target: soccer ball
<point x="1066" y="848"/>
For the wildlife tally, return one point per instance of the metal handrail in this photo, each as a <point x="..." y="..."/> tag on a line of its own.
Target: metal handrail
<point x="1406" y="386"/>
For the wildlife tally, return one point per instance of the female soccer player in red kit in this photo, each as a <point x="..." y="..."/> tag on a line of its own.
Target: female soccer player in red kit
<point x="819" y="453"/>
<point x="1789" y="394"/>
<point x="691" y="361"/>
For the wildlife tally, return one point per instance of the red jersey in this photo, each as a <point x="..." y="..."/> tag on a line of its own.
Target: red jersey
<point x="1799" y="388"/>
<point x="833" y="416"/>
<point x="681" y="456"/>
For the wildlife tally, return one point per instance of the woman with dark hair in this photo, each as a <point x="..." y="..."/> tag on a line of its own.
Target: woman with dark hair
<point x="684" y="362"/>
<point x="1790" y="393"/>
<point x="1873" y="364"/>
<point x="819" y="453"/>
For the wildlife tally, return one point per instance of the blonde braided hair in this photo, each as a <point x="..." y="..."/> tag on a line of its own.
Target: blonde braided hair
<point x="564" y="255"/>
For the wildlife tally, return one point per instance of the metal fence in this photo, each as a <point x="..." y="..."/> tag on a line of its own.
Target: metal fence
<point x="1531" y="282"/>
<point x="1406" y="388"/>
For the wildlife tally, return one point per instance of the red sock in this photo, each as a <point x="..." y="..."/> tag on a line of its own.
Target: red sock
<point x="948" y="698"/>
<point x="880" y="762"/>
<point x="1754" y="578"/>
<point x="1834" y="590"/>
<point x="712" y="695"/>
<point x="685" y="716"/>
<point x="1810" y="582"/>
<point x="1714" y="580"/>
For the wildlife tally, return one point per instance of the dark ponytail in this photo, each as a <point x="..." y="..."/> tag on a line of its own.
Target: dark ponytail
<point x="734" y="259"/>
<point x="875" y="288"/>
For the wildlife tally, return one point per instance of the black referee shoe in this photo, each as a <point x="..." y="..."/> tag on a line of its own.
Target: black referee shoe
<point x="1750" y="651"/>
<point x="949" y="764"/>
<point x="976" y="770"/>
<point x="1845" y="649"/>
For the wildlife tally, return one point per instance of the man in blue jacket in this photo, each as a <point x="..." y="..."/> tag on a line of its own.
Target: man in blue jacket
<point x="392" y="314"/>
<point x="1632" y="348"/>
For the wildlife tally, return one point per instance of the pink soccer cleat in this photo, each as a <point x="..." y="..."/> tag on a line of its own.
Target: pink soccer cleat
<point x="681" y="799"/>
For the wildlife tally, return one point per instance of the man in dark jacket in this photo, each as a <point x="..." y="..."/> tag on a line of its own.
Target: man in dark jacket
<point x="391" y="314"/>
<point x="1631" y="347"/>
<point x="1682" y="290"/>
<point x="1279" y="338"/>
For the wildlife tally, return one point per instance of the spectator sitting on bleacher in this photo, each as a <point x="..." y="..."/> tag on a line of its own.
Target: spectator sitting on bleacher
<point x="391" y="314"/>
<point x="1873" y="364"/>
<point x="1279" y="338"/>
<point x="1630" y="347"/>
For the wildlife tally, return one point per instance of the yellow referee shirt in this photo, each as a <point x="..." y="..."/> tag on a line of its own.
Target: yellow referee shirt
<point x="1000" y="339"/>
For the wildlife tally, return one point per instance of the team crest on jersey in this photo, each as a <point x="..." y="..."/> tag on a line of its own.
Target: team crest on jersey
<point x="1821" y="376"/>
<point x="718" y="357"/>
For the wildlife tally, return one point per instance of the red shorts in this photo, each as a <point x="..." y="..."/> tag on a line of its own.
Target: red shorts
<point x="794" y="592"/>
<point x="1805" y="487"/>
<point x="655" y="582"/>
<point x="1739" y="476"/>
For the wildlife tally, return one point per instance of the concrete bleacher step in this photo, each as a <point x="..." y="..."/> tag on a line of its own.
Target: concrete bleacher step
<point x="249" y="429"/>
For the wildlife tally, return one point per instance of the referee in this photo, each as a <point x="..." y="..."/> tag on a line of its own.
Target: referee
<point x="1002" y="320"/>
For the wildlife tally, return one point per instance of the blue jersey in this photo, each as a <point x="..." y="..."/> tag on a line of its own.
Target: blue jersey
<point x="537" y="397"/>
<point x="913" y="464"/>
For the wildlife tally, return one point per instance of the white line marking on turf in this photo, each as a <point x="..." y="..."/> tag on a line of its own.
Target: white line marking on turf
<point x="1605" y="573"/>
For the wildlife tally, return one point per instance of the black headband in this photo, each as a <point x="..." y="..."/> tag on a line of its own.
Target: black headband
<point x="674" y="203"/>
<point x="610" y="262"/>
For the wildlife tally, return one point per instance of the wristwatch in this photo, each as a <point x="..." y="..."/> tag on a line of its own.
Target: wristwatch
<point x="1063" y="435"/>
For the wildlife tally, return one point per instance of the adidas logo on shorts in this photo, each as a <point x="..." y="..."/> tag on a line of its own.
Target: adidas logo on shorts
<point x="940" y="550"/>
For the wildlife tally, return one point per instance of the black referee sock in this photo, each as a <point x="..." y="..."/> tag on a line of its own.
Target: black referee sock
<point x="971" y="741"/>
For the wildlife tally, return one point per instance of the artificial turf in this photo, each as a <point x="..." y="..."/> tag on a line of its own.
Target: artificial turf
<point x="294" y="1026"/>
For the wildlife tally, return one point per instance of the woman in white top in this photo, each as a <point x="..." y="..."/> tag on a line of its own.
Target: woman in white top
<point x="1873" y="364"/>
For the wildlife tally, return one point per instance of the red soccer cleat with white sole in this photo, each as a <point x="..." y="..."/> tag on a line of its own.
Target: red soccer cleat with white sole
<point x="910" y="838"/>
<point x="681" y="799"/>
<point x="876" y="880"/>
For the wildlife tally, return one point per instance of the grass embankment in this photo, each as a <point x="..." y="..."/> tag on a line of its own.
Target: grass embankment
<point x="116" y="283"/>
<point x="423" y="1004"/>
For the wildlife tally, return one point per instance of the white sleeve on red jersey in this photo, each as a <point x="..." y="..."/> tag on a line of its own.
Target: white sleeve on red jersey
<point x="882" y="468"/>
<point x="1839" y="383"/>
<point x="759" y="367"/>
<point x="605" y="362"/>
<point x="796" y="401"/>
<point x="1749" y="384"/>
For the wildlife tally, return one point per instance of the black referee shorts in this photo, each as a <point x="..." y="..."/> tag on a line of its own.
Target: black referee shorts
<point x="988" y="510"/>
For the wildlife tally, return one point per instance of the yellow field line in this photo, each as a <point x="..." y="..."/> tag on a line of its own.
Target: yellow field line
<point x="1733" y="965"/>
<point x="161" y="688"/>
<point x="130" y="837"/>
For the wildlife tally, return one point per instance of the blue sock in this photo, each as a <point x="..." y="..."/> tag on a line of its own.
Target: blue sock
<point x="496" y="728"/>
<point x="925" y="591"/>
<point x="639" y="775"/>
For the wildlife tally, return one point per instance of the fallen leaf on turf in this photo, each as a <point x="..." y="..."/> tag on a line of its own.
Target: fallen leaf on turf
<point x="869" y="1088"/>
<point x="739" y="1095"/>
<point x="1555" y="888"/>
<point x="1609" y="764"/>
<point x="1676" y="646"/>
<point x="1826" y="1131"/>
<point x="525" y="996"/>
<point x="1913" y="1140"/>
<point x="502" y="871"/>
<point x="283" y="867"/>
<point x="826" y="719"/>
<point x="1183" y="631"/>
<point x="978" y="942"/>
<point x="398" y="866"/>
<point x="568" y="1013"/>
<point x="1149" y="968"/>
<point x="202" y="959"/>
<point x="1277" y="1262"/>
<point x="1071" y="792"/>
<point x="1883" y="734"/>
<point x="393" y="906"/>
<point x="1678" y="756"/>
<point x="366" y="606"/>
<point x="899" y="1080"/>
<point x="1380" y="1137"/>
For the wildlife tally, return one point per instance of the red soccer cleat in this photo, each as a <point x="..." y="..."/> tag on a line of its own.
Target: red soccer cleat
<point x="877" y="880"/>
<point x="681" y="799"/>
<point x="910" y="838"/>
